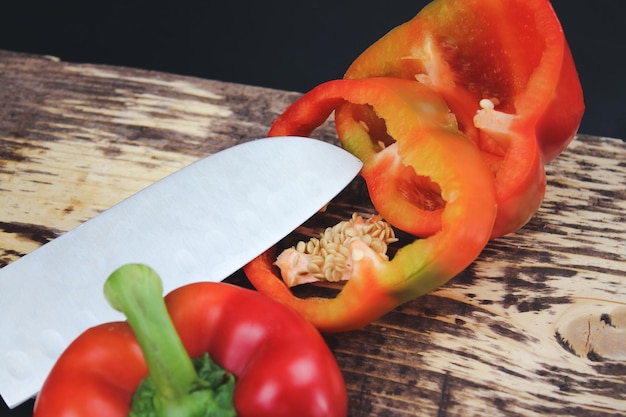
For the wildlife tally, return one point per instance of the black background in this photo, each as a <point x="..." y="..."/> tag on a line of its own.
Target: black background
<point x="286" y="44"/>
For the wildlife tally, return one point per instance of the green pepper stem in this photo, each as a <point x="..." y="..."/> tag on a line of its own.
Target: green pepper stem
<point x="137" y="291"/>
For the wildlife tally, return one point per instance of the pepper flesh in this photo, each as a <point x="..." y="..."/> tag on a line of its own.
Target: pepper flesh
<point x="423" y="134"/>
<point x="505" y="69"/>
<point x="282" y="364"/>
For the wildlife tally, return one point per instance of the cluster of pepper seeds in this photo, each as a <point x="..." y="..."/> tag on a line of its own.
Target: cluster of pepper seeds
<point x="328" y="258"/>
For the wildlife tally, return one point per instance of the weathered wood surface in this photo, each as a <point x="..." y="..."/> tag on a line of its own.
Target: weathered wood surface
<point x="536" y="326"/>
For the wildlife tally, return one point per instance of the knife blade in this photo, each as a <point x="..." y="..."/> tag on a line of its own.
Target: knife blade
<point x="201" y="223"/>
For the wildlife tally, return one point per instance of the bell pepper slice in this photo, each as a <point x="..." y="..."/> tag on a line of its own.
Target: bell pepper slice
<point x="282" y="365"/>
<point x="420" y="137"/>
<point x="505" y="69"/>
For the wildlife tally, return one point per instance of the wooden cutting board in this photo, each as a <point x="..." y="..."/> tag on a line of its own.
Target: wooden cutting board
<point x="536" y="326"/>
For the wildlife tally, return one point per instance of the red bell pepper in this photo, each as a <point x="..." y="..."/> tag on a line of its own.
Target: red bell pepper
<point x="420" y="141"/>
<point x="282" y="365"/>
<point x="505" y="69"/>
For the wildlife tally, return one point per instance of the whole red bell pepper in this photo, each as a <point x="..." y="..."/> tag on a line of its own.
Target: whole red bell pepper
<point x="413" y="143"/>
<point x="281" y="364"/>
<point x="505" y="69"/>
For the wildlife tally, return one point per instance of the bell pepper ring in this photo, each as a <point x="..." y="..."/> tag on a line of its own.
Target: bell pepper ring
<point x="505" y="69"/>
<point x="281" y="364"/>
<point x="420" y="138"/>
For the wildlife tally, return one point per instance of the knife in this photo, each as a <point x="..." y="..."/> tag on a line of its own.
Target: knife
<point x="201" y="223"/>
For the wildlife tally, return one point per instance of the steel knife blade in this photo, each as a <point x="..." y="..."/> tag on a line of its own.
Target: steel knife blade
<point x="201" y="223"/>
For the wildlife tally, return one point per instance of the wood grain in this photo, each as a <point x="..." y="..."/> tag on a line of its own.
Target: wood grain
<point x="536" y="326"/>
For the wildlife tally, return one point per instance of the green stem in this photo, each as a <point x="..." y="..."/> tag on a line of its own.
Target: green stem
<point x="136" y="290"/>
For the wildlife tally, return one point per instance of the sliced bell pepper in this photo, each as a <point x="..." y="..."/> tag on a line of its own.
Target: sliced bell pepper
<point x="419" y="148"/>
<point x="281" y="363"/>
<point x="505" y="69"/>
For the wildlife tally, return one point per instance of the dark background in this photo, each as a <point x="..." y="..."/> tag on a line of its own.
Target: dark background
<point x="286" y="44"/>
